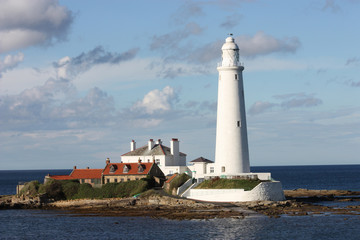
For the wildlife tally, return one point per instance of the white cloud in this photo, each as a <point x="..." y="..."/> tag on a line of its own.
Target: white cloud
<point x="10" y="62"/>
<point x="146" y="123"/>
<point x="186" y="11"/>
<point x="353" y="61"/>
<point x="19" y="79"/>
<point x="172" y="40"/>
<point x="156" y="101"/>
<point x="26" y="23"/>
<point x="251" y="47"/>
<point x="108" y="76"/>
<point x="331" y="5"/>
<point x="262" y="44"/>
<point x="55" y="105"/>
<point x="259" y="107"/>
<point x="288" y="101"/>
<point x="274" y="64"/>
<point x="62" y="66"/>
<point x="231" y="21"/>
<point x="70" y="67"/>
<point x="295" y="100"/>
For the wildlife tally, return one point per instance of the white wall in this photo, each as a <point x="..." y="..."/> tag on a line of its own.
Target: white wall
<point x="144" y="159"/>
<point x="175" y="169"/>
<point x="265" y="191"/>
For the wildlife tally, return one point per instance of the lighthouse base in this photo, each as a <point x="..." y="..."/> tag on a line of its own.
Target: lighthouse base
<point x="265" y="191"/>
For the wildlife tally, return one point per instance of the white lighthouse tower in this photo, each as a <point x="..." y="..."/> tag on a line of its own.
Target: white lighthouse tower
<point x="232" y="151"/>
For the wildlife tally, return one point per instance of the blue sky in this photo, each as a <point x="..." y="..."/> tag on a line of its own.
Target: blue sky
<point x="80" y="79"/>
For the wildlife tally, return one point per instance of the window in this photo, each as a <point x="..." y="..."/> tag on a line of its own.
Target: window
<point x="236" y="76"/>
<point x="121" y="180"/>
<point x="115" y="180"/>
<point x="82" y="181"/>
<point x="157" y="161"/>
<point x="107" y="180"/>
<point x="92" y="180"/>
<point x="137" y="178"/>
<point x="140" y="168"/>
<point x="222" y="169"/>
<point x="113" y="168"/>
<point x="239" y="123"/>
<point x="126" y="169"/>
<point x="211" y="169"/>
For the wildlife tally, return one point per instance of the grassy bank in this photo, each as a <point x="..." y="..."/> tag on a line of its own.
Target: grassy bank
<point x="221" y="183"/>
<point x="178" y="181"/>
<point x="72" y="189"/>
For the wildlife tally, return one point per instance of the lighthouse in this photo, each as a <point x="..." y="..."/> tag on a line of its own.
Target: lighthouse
<point x="232" y="151"/>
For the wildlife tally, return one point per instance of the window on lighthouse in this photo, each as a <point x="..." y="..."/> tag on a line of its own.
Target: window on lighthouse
<point x="236" y="77"/>
<point x="239" y="123"/>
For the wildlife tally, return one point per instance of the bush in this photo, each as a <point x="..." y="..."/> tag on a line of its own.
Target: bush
<point x="131" y="188"/>
<point x="70" y="188"/>
<point x="108" y="190"/>
<point x="30" y="188"/>
<point x="85" y="190"/>
<point x="53" y="189"/>
<point x="114" y="190"/>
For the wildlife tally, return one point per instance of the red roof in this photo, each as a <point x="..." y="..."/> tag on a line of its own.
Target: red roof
<point x="86" y="173"/>
<point x="61" y="177"/>
<point x="171" y="178"/>
<point x="133" y="168"/>
<point x="80" y="174"/>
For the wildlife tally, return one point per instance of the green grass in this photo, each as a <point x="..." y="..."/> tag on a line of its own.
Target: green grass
<point x="221" y="183"/>
<point x="178" y="181"/>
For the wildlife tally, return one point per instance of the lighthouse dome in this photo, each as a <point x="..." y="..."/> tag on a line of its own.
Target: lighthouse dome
<point x="230" y="44"/>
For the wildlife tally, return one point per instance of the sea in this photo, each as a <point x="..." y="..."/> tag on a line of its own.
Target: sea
<point x="57" y="224"/>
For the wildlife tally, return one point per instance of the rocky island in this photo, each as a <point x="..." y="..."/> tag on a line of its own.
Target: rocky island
<point x="159" y="204"/>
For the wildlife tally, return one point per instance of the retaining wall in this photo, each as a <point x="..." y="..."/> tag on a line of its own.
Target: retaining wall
<point x="265" y="191"/>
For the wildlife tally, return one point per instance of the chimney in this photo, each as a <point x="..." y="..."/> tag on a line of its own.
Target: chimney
<point x="74" y="167"/>
<point x="174" y="145"/>
<point x="150" y="144"/>
<point x="159" y="141"/>
<point x="108" y="161"/>
<point x="132" y="145"/>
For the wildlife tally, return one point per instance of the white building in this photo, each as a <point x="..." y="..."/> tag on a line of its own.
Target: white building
<point x="201" y="167"/>
<point x="169" y="159"/>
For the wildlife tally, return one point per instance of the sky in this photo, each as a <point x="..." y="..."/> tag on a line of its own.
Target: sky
<point x="80" y="79"/>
